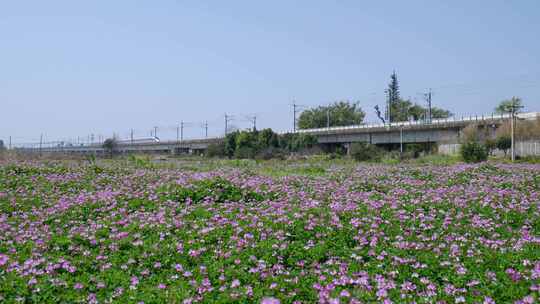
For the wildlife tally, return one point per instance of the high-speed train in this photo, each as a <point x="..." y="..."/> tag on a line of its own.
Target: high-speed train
<point x="146" y="140"/>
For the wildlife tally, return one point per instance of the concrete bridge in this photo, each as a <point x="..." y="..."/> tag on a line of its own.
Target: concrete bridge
<point x="440" y="131"/>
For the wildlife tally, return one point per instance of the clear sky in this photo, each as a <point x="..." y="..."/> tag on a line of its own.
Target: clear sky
<point x="74" y="68"/>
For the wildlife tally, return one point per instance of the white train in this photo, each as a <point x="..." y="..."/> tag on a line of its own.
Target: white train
<point x="147" y="140"/>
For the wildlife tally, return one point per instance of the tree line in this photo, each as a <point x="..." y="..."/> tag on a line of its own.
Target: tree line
<point x="346" y="113"/>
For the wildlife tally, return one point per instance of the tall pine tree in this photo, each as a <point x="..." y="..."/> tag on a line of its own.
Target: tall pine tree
<point x="393" y="96"/>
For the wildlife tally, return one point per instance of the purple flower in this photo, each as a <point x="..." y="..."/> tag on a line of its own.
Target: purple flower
<point x="3" y="259"/>
<point x="270" y="301"/>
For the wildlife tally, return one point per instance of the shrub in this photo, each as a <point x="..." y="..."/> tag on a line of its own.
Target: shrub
<point x="216" y="150"/>
<point x="491" y="145"/>
<point x="270" y="153"/>
<point x="504" y="143"/>
<point x="473" y="152"/>
<point x="366" y="152"/>
<point x="243" y="152"/>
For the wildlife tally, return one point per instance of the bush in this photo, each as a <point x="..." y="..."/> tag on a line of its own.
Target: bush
<point x="491" y="145"/>
<point x="271" y="153"/>
<point x="474" y="152"/>
<point x="244" y="152"/>
<point x="366" y="152"/>
<point x="216" y="150"/>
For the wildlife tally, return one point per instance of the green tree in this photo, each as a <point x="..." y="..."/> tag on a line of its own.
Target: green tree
<point x="504" y="143"/>
<point x="509" y="105"/>
<point x="230" y="143"/>
<point x="393" y="89"/>
<point x="403" y="109"/>
<point x="267" y="138"/>
<point x="109" y="145"/>
<point x="438" y="113"/>
<point x="342" y="113"/>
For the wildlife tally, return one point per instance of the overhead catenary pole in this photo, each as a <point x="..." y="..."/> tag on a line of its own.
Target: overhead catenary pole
<point x="512" y="134"/>
<point x="155" y="131"/>
<point x="428" y="99"/>
<point x="206" y="129"/>
<point x="328" y="117"/>
<point x="401" y="140"/>
<point x="182" y="131"/>
<point x="10" y="142"/>
<point x="40" y="143"/>
<point x="227" y="119"/>
<point x="131" y="135"/>
<point x="513" y="109"/>
<point x="294" y="116"/>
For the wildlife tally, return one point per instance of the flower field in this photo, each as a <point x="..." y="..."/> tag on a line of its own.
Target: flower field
<point x="368" y="234"/>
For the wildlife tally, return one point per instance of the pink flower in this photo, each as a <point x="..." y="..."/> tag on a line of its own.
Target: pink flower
<point x="162" y="286"/>
<point x="235" y="283"/>
<point x="78" y="286"/>
<point x="270" y="301"/>
<point x="3" y="259"/>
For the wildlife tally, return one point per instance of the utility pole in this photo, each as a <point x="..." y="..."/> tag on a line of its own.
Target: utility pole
<point x="131" y="135"/>
<point x="40" y="143"/>
<point x="328" y="117"/>
<point x="227" y="119"/>
<point x="253" y="120"/>
<point x="155" y="131"/>
<point x="178" y="133"/>
<point x="428" y="99"/>
<point x="206" y="129"/>
<point x="513" y="110"/>
<point x="10" y="142"/>
<point x="294" y="116"/>
<point x="182" y="130"/>
<point x="401" y="140"/>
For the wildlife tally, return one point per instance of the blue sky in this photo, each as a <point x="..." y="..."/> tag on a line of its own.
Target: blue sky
<point x="74" y="68"/>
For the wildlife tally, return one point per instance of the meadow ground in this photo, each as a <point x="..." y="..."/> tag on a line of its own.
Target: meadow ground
<point x="132" y="231"/>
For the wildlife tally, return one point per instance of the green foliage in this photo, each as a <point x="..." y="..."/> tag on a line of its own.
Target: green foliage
<point x="110" y="145"/>
<point x="264" y="144"/>
<point x="393" y="89"/>
<point x="473" y="152"/>
<point x="342" y="113"/>
<point x="301" y="141"/>
<point x="491" y="144"/>
<point x="216" y="150"/>
<point x="267" y="138"/>
<point x="366" y="152"/>
<point x="504" y="143"/>
<point x="402" y="110"/>
<point x="218" y="190"/>
<point x="509" y="105"/>
<point x="141" y="161"/>
<point x="230" y="144"/>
